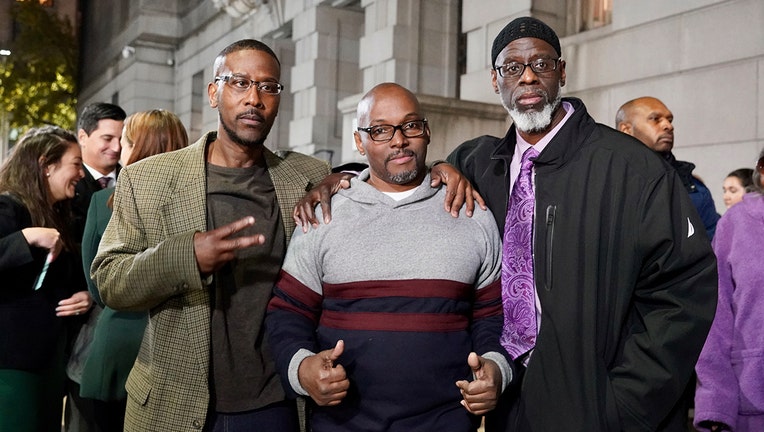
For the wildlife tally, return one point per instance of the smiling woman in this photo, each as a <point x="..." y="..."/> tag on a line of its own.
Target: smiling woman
<point x="42" y="279"/>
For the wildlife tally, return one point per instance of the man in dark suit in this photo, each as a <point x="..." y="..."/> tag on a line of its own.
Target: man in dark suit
<point x="99" y="131"/>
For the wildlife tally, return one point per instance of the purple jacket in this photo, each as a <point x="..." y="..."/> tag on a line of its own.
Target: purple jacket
<point x="731" y="366"/>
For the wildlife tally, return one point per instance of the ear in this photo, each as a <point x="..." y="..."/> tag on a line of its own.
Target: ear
<point x="494" y="81"/>
<point x="81" y="135"/>
<point x="563" y="74"/>
<point x="359" y="143"/>
<point x="212" y="94"/>
<point x="626" y="128"/>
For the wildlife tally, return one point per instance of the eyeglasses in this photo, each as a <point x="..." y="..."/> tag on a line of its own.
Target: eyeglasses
<point x="384" y="132"/>
<point x="241" y="84"/>
<point x="539" y="67"/>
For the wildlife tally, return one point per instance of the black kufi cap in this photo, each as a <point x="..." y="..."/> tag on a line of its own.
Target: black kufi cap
<point x="521" y="28"/>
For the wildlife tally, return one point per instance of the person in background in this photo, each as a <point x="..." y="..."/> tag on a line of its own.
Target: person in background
<point x="42" y="280"/>
<point x="730" y="391"/>
<point x="737" y="184"/>
<point x="650" y="121"/>
<point x="99" y="128"/>
<point x="197" y="238"/>
<point x="117" y="335"/>
<point x="378" y="340"/>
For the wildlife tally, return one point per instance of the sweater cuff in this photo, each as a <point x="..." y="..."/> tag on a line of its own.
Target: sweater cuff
<point x="294" y="366"/>
<point x="504" y="367"/>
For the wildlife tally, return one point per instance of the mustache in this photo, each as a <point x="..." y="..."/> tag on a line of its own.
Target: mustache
<point x="251" y="113"/>
<point x="402" y="152"/>
<point x="520" y="91"/>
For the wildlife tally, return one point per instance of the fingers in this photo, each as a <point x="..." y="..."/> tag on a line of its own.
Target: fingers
<point x="475" y="362"/>
<point x="339" y="348"/>
<point x="77" y="304"/>
<point x="479" y="198"/>
<point x="304" y="214"/>
<point x="214" y="248"/>
<point x="304" y="211"/>
<point x="459" y="198"/>
<point x="233" y="227"/>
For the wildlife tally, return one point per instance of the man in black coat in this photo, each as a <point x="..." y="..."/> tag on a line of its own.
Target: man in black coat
<point x="624" y="278"/>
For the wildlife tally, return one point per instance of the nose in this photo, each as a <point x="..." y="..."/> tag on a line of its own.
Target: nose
<point x="398" y="139"/>
<point x="528" y="76"/>
<point x="667" y="125"/>
<point x="253" y="97"/>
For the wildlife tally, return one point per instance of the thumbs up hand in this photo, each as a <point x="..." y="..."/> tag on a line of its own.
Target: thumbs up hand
<point x="323" y="379"/>
<point x="481" y="394"/>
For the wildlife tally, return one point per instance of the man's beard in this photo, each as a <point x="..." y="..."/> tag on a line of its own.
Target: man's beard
<point x="241" y="141"/>
<point x="535" y="121"/>
<point x="403" y="177"/>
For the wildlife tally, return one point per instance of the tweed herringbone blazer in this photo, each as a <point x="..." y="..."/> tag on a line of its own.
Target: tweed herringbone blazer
<point x="146" y="262"/>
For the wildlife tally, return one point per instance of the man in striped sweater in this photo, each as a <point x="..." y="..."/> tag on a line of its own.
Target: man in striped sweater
<point x="390" y="317"/>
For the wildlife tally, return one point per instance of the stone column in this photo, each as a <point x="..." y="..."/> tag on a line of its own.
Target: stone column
<point x="325" y="71"/>
<point x="412" y="43"/>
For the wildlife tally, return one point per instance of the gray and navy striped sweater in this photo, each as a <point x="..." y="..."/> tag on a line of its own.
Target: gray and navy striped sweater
<point x="411" y="291"/>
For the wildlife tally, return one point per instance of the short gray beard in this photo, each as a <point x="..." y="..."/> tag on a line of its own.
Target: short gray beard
<point x="403" y="177"/>
<point x="535" y="121"/>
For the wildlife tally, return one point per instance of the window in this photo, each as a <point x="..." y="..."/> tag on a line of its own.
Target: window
<point x="595" y="13"/>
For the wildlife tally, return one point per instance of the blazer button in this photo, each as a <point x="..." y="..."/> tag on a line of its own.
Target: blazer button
<point x="197" y="424"/>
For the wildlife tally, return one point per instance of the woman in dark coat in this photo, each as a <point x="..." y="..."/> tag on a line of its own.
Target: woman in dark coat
<point x="42" y="281"/>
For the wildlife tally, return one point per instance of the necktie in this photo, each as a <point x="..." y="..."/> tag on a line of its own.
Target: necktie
<point x="104" y="182"/>
<point x="517" y="287"/>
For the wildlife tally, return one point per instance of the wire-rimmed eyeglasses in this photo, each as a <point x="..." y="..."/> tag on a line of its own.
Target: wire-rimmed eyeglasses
<point x="539" y="67"/>
<point x="242" y="84"/>
<point x="385" y="132"/>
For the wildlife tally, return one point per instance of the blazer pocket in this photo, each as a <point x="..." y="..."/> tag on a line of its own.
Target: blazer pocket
<point x="138" y="387"/>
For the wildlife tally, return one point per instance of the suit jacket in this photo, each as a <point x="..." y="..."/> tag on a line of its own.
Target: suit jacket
<point x="84" y="190"/>
<point x="146" y="261"/>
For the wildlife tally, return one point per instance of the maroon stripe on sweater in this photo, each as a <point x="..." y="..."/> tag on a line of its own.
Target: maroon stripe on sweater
<point x="415" y="288"/>
<point x="298" y="291"/>
<point x="387" y="321"/>
<point x="279" y="304"/>
<point x="489" y="301"/>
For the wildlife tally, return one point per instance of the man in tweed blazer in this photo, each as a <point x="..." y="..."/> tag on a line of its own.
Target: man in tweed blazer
<point x="197" y="238"/>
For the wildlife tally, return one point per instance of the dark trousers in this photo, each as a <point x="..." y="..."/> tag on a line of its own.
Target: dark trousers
<point x="281" y="416"/>
<point x="79" y="412"/>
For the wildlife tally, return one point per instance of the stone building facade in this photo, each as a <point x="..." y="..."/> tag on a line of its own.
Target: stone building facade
<point x="703" y="58"/>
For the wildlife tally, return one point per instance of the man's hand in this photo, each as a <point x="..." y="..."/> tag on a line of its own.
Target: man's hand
<point x="213" y="248"/>
<point x="458" y="189"/>
<point x="304" y="213"/>
<point x="480" y="396"/>
<point x="324" y="381"/>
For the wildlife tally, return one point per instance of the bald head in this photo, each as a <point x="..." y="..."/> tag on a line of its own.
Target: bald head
<point x="379" y="93"/>
<point x="648" y="120"/>
<point x="393" y="135"/>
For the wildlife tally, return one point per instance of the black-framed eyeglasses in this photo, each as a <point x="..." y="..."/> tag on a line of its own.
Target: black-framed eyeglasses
<point x="242" y="84"/>
<point x="539" y="67"/>
<point x="385" y="132"/>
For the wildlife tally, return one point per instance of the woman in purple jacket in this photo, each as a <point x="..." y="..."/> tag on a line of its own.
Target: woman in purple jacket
<point x="730" y="391"/>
